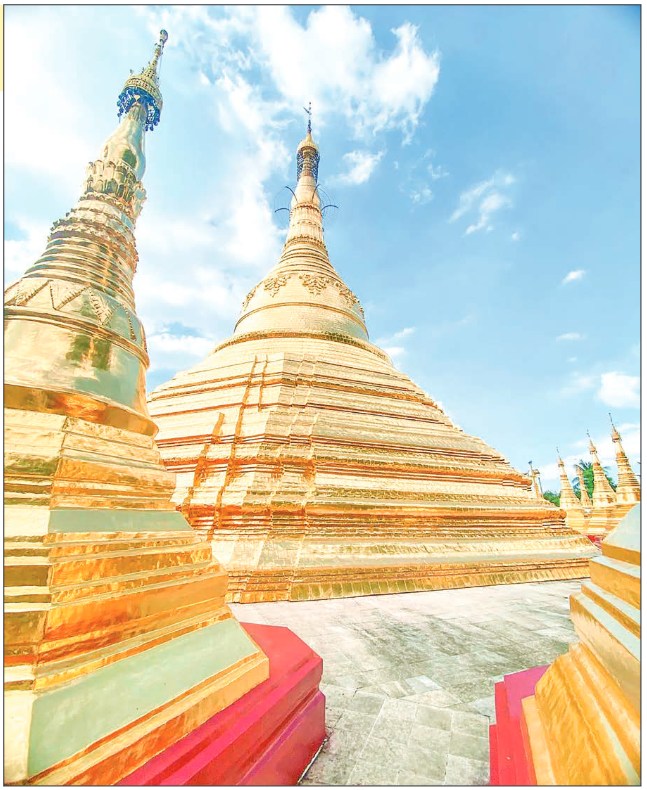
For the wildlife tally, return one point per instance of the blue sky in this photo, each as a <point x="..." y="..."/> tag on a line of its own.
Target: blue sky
<point x="485" y="161"/>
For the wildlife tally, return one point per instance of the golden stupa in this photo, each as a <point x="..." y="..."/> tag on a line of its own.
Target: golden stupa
<point x="582" y="725"/>
<point x="568" y="501"/>
<point x="628" y="488"/>
<point x="118" y="641"/>
<point x="318" y="470"/>
<point x="603" y="514"/>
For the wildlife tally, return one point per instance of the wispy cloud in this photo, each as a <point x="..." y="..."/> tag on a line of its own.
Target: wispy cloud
<point x="620" y="390"/>
<point x="421" y="196"/>
<point x="574" y="276"/>
<point x="19" y="254"/>
<point x="485" y="198"/>
<point x="408" y="330"/>
<point x="392" y="343"/>
<point x="359" y="167"/>
<point x="571" y="336"/>
<point x="577" y="383"/>
<point x="516" y="236"/>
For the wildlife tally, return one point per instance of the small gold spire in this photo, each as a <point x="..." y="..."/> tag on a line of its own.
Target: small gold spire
<point x="628" y="490"/>
<point x="603" y="494"/>
<point x="567" y="497"/>
<point x="585" y="499"/>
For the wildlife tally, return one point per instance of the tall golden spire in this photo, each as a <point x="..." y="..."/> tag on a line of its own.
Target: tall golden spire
<point x="303" y="295"/>
<point x="628" y="490"/>
<point x="585" y="499"/>
<point x="603" y="494"/>
<point x="81" y="287"/>
<point x="107" y="588"/>
<point x="567" y="498"/>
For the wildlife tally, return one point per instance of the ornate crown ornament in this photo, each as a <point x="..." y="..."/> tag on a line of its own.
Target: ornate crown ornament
<point x="144" y="88"/>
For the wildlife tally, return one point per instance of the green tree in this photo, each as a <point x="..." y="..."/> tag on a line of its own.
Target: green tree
<point x="587" y="473"/>
<point x="551" y="496"/>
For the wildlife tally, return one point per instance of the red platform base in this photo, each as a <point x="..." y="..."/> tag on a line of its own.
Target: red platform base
<point x="509" y="763"/>
<point x="268" y="737"/>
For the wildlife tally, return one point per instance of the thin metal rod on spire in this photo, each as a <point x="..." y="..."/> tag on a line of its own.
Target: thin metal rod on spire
<point x="309" y="114"/>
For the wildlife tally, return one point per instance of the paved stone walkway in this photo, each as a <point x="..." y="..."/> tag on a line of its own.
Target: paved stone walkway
<point x="409" y="679"/>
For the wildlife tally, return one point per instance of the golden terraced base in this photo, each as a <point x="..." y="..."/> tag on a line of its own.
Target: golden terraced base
<point x="317" y="470"/>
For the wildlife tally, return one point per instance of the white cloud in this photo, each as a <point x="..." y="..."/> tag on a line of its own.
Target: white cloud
<point x="342" y="70"/>
<point x="572" y="359"/>
<point x="390" y="343"/>
<point x="163" y="345"/>
<point x="571" y="336"/>
<point x="360" y="166"/>
<point x="33" y="94"/>
<point x="408" y="330"/>
<point x="20" y="254"/>
<point x="573" y="276"/>
<point x="579" y="382"/>
<point x="492" y="203"/>
<point x="620" y="390"/>
<point x="421" y="196"/>
<point x="487" y="199"/>
<point x="395" y="351"/>
<point x="516" y="236"/>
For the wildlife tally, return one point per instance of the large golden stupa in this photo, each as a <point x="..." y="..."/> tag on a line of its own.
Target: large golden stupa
<point x="318" y="470"/>
<point x="117" y="639"/>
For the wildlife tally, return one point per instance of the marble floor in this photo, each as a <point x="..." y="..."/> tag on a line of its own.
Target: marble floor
<point x="409" y="679"/>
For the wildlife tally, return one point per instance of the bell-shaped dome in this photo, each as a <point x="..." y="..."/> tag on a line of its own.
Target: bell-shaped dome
<point x="303" y="292"/>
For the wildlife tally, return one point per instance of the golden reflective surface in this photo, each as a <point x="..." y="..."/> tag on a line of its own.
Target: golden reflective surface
<point x="318" y="470"/>
<point x="583" y="722"/>
<point x="118" y="641"/>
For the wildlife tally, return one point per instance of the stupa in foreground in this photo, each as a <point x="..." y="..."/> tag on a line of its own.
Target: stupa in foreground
<point x="318" y="470"/>
<point x="120" y="653"/>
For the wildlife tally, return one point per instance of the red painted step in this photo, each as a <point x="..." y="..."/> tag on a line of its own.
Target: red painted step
<point x="509" y="761"/>
<point x="267" y="737"/>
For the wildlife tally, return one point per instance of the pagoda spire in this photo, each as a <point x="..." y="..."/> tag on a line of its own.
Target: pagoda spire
<point x="603" y="494"/>
<point x="567" y="498"/>
<point x="303" y="295"/>
<point x="103" y="574"/>
<point x="628" y="491"/>
<point x="81" y="286"/>
<point x="585" y="499"/>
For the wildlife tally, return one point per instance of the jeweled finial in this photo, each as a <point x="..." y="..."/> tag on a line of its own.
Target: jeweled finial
<point x="144" y="88"/>
<point x="308" y="151"/>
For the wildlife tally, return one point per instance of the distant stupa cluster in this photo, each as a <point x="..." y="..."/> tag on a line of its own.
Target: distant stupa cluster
<point x="598" y="515"/>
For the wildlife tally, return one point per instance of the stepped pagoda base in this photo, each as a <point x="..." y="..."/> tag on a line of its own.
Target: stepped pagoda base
<point x="268" y="737"/>
<point x="396" y="570"/>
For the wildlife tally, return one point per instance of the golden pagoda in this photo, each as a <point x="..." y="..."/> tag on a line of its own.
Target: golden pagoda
<point x="582" y="725"/>
<point x="603" y="516"/>
<point x="118" y="641"/>
<point x="318" y="470"/>
<point x="628" y="488"/>
<point x="585" y="499"/>
<point x="568" y="501"/>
